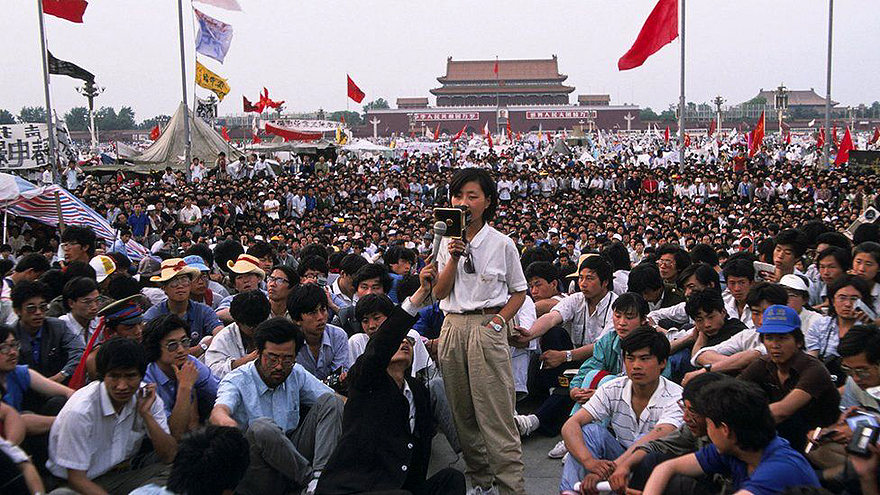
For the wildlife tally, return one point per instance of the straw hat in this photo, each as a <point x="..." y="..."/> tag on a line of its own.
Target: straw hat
<point x="173" y="267"/>
<point x="246" y="264"/>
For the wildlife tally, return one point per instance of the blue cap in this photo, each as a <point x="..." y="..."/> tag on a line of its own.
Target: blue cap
<point x="197" y="262"/>
<point x="779" y="319"/>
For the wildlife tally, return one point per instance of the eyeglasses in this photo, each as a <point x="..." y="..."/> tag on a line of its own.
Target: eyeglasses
<point x="173" y="345"/>
<point x="88" y="302"/>
<point x="10" y="347"/>
<point x="277" y="280"/>
<point x="273" y="361"/>
<point x="861" y="373"/>
<point x="34" y="308"/>
<point x="179" y="282"/>
<point x="411" y="340"/>
<point x="845" y="298"/>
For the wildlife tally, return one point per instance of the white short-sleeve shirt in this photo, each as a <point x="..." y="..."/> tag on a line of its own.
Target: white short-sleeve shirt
<point x="88" y="435"/>
<point x="613" y="401"/>
<point x="586" y="329"/>
<point x="498" y="273"/>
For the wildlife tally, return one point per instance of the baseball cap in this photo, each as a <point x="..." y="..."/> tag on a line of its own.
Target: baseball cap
<point x="792" y="281"/>
<point x="103" y="265"/>
<point x="779" y="319"/>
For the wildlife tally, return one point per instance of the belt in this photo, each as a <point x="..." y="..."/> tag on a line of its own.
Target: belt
<point x="484" y="311"/>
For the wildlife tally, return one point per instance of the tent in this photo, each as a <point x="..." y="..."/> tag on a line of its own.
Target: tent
<point x="559" y="148"/>
<point x="170" y="149"/>
<point x="24" y="199"/>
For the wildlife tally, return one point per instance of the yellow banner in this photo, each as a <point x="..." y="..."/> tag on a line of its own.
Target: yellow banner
<point x="210" y="81"/>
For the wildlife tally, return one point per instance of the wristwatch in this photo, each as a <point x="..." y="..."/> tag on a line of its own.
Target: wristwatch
<point x="568" y="357"/>
<point x="204" y="346"/>
<point x="495" y="326"/>
<point x="708" y="367"/>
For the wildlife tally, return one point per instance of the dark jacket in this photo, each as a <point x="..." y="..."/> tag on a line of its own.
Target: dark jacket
<point x="60" y="349"/>
<point x="377" y="451"/>
<point x="347" y="320"/>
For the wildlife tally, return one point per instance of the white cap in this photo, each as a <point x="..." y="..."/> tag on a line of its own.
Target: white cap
<point x="151" y="207"/>
<point x="792" y="281"/>
<point x="103" y="265"/>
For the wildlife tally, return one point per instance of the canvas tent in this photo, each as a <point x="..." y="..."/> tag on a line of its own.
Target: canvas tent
<point x="560" y="148"/>
<point x="170" y="149"/>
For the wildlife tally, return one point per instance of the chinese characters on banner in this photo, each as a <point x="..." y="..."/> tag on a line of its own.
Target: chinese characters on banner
<point x="23" y="146"/>
<point x="210" y="81"/>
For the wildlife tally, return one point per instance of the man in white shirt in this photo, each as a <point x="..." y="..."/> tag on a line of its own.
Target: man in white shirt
<point x="586" y="313"/>
<point x="234" y="346"/>
<point x="641" y="406"/>
<point x="190" y="214"/>
<point x="99" y="431"/>
<point x="272" y="206"/>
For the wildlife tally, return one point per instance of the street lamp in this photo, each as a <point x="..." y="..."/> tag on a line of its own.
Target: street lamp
<point x="718" y="101"/>
<point x="781" y="103"/>
<point x="90" y="91"/>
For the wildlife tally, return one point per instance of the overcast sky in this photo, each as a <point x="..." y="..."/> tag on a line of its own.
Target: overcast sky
<point x="302" y="49"/>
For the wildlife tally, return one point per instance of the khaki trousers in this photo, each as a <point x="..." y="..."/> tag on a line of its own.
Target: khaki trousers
<point x="475" y="362"/>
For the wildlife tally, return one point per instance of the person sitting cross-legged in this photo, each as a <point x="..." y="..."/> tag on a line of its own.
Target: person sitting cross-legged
<point x="641" y="406"/>
<point x="265" y="398"/>
<point x="744" y="446"/>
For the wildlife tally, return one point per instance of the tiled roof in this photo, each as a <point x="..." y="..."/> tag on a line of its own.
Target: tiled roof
<point x="484" y="70"/>
<point x="796" y="97"/>
<point x="503" y="89"/>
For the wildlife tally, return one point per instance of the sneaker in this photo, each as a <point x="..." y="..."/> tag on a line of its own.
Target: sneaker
<point x="565" y="458"/>
<point x="312" y="486"/>
<point x="558" y="450"/>
<point x="526" y="424"/>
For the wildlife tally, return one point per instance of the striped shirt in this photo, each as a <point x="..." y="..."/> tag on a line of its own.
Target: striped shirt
<point x="613" y="400"/>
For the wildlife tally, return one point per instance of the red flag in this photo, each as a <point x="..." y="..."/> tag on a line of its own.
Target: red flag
<point x="265" y="102"/>
<point x="437" y="132"/>
<point x="845" y="147"/>
<point x="225" y="133"/>
<point x="834" y="136"/>
<point x="712" y="128"/>
<point x="757" y="136"/>
<point x="660" y="28"/>
<point x="256" y="139"/>
<point x="354" y="92"/>
<point x="487" y="134"/>
<point x="876" y="136"/>
<point x="820" y="138"/>
<point x="155" y="133"/>
<point x="495" y="69"/>
<point x="72" y="10"/>
<point x="788" y="137"/>
<point x="687" y="140"/>
<point x="248" y="106"/>
<point x="343" y="119"/>
<point x="666" y="136"/>
<point x="454" y="138"/>
<point x="509" y="132"/>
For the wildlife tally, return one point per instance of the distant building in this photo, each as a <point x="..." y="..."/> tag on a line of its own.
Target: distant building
<point x="516" y="82"/>
<point x="797" y="98"/>
<point x="526" y="94"/>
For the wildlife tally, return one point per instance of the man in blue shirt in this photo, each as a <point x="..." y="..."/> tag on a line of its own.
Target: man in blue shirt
<point x="744" y="446"/>
<point x="326" y="349"/>
<point x="265" y="398"/>
<point x="138" y="222"/>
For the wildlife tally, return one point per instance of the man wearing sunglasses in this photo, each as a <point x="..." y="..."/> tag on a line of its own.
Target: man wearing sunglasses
<point x="47" y="345"/>
<point x="385" y="445"/>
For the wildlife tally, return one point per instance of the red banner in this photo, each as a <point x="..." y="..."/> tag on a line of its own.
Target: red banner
<point x="292" y="135"/>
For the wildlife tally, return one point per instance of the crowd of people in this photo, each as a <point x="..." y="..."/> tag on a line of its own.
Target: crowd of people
<point x="710" y="328"/>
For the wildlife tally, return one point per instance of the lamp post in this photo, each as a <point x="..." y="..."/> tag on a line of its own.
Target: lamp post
<point x="718" y="101"/>
<point x="781" y="104"/>
<point x="90" y="91"/>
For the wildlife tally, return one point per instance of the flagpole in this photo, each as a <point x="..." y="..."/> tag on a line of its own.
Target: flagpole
<point x="497" y="96"/>
<point x="52" y="162"/>
<point x="183" y="86"/>
<point x="826" y="146"/>
<point x="681" y="101"/>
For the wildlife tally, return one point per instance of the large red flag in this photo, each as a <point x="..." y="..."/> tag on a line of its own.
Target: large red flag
<point x="155" y="132"/>
<point x="437" y="132"/>
<point x="666" y="136"/>
<point x="712" y="128"/>
<point x="72" y="10"/>
<point x="687" y="140"/>
<point x="834" y="140"/>
<point x="820" y="138"/>
<point x="757" y="136"/>
<point x="845" y="147"/>
<point x="225" y="133"/>
<point x="660" y="28"/>
<point x="256" y="139"/>
<point x="354" y="92"/>
<point x="876" y="136"/>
